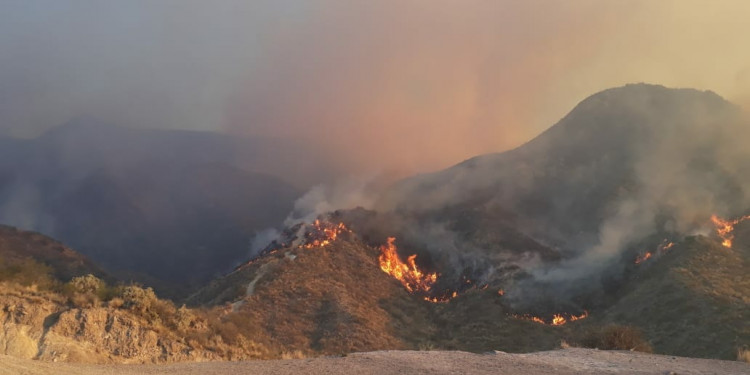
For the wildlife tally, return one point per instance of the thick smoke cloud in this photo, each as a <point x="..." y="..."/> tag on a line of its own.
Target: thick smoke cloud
<point x="387" y="85"/>
<point x="628" y="170"/>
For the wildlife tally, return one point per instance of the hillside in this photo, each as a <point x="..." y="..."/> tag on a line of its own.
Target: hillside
<point x="693" y="301"/>
<point x="624" y="226"/>
<point x="53" y="308"/>
<point x="656" y="158"/>
<point x="328" y="299"/>
<point x="26" y="255"/>
<point x="169" y="208"/>
<point x="561" y="225"/>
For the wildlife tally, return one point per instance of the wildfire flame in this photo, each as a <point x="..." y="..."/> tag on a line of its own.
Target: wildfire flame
<point x="725" y="228"/>
<point x="557" y="319"/>
<point x="642" y="258"/>
<point x="666" y="246"/>
<point x="663" y="247"/>
<point x="323" y="233"/>
<point x="443" y="299"/>
<point x="410" y="276"/>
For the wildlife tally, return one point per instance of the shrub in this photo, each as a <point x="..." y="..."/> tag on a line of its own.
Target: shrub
<point x="183" y="318"/>
<point x="88" y="290"/>
<point x="137" y="298"/>
<point x="115" y="302"/>
<point x="616" y="337"/>
<point x="86" y="284"/>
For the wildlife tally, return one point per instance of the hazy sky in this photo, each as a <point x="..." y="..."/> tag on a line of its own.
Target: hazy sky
<point x="410" y="85"/>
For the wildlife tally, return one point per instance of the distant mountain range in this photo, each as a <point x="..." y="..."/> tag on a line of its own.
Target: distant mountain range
<point x="172" y="208"/>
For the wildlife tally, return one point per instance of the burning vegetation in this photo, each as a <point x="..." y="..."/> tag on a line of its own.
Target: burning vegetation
<point x="408" y="273"/>
<point x="663" y="247"/>
<point x="415" y="280"/>
<point x="642" y="258"/>
<point x="725" y="228"/>
<point x="556" y="320"/>
<point x="322" y="233"/>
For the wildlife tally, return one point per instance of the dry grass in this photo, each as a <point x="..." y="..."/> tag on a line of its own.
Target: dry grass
<point x="616" y="337"/>
<point x="743" y="355"/>
<point x="295" y="354"/>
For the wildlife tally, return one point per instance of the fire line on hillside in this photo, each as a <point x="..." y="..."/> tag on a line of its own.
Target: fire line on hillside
<point x="725" y="228"/>
<point x="557" y="319"/>
<point x="662" y="248"/>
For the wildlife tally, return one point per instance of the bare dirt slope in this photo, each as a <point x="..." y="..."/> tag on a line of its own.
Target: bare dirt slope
<point x="568" y="361"/>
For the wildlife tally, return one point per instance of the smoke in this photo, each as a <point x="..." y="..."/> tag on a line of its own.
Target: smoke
<point x="399" y="88"/>
<point x="627" y="169"/>
<point x="346" y="193"/>
<point x="261" y="240"/>
<point x="20" y="207"/>
<point x="395" y="86"/>
<point x="688" y="168"/>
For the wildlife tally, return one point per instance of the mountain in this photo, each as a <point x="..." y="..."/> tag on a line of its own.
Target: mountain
<point x="624" y="226"/>
<point x="325" y="292"/>
<point x="640" y="150"/>
<point x="170" y="208"/>
<point x="619" y="214"/>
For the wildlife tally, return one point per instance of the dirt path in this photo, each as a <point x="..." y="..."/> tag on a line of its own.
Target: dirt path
<point x="569" y="361"/>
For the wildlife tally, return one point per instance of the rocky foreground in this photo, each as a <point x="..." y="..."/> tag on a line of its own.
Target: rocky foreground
<point x="568" y="361"/>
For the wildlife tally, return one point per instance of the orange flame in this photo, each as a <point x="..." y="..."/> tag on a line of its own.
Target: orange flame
<point x="323" y="233"/>
<point x="444" y="299"/>
<point x="557" y="319"/>
<point x="640" y="259"/>
<point x="725" y="228"/>
<point x="500" y="292"/>
<point x="585" y="314"/>
<point x="662" y="248"/>
<point x="407" y="272"/>
<point x="666" y="245"/>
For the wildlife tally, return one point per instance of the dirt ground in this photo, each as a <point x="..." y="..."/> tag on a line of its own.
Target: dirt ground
<point x="568" y="361"/>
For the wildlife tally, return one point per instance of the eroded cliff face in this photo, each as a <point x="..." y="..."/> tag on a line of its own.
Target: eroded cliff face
<point x="39" y="325"/>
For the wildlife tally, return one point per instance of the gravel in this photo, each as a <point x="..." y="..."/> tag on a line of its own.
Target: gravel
<point x="563" y="362"/>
